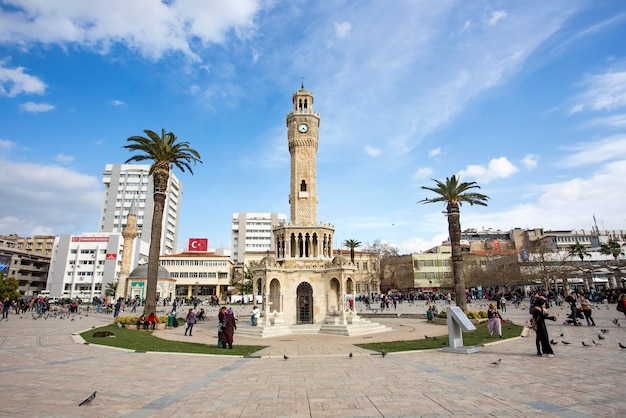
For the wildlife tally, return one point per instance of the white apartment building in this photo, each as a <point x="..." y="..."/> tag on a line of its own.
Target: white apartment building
<point x="125" y="183"/>
<point x="252" y="232"/>
<point x="83" y="265"/>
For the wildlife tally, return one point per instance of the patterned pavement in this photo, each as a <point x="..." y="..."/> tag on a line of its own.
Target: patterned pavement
<point x="46" y="371"/>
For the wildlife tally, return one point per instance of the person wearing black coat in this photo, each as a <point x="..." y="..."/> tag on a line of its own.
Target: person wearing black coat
<point x="540" y="314"/>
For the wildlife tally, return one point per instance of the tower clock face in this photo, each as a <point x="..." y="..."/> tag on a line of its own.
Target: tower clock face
<point x="303" y="127"/>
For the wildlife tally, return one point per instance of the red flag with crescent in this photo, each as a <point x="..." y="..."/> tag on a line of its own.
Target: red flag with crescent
<point x="198" y="244"/>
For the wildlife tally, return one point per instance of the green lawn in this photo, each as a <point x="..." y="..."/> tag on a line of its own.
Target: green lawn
<point x="475" y="338"/>
<point x="145" y="341"/>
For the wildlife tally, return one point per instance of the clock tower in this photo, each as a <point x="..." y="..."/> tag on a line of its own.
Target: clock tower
<point x="302" y="134"/>
<point x="304" y="281"/>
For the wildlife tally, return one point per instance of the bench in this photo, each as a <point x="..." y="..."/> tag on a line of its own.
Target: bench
<point x="158" y="325"/>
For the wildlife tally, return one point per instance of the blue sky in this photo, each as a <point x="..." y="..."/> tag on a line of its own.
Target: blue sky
<point x="526" y="98"/>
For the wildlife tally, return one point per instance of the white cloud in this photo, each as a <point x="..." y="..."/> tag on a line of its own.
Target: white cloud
<point x="434" y="152"/>
<point x="602" y="92"/>
<point x="343" y="29"/>
<point x="466" y="25"/>
<point x="118" y="103"/>
<point x="371" y="151"/>
<point x="564" y="205"/>
<point x="498" y="168"/>
<point x="594" y="152"/>
<point x="64" y="158"/>
<point x="14" y="81"/>
<point x="530" y="161"/>
<point x="36" y="107"/>
<point x="152" y="28"/>
<point x="496" y="17"/>
<point x="611" y="122"/>
<point x="71" y="200"/>
<point x="6" y="145"/>
<point x="422" y="173"/>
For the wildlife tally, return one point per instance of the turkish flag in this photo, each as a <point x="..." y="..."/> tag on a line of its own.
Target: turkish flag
<point x="198" y="244"/>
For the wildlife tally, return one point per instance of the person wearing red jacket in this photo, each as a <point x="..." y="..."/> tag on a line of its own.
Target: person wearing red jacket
<point x="152" y="320"/>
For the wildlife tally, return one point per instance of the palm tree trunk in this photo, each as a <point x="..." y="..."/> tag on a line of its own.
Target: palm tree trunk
<point x="154" y="253"/>
<point x="454" y="230"/>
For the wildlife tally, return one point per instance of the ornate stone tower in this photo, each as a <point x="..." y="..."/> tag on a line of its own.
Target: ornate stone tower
<point x="302" y="134"/>
<point x="303" y="239"/>
<point x="302" y="283"/>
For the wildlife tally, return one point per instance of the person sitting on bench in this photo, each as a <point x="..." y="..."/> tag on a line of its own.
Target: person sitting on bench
<point x="142" y="322"/>
<point x="152" y="320"/>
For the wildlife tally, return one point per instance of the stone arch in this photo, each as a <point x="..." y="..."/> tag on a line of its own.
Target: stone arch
<point x="350" y="286"/>
<point x="333" y="295"/>
<point x="257" y="288"/>
<point x="274" y="297"/>
<point x="304" y="303"/>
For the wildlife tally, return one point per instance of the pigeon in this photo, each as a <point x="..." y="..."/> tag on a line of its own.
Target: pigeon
<point x="565" y="342"/>
<point x="600" y="336"/>
<point x="594" y="342"/>
<point x="604" y="331"/>
<point x="621" y="346"/>
<point x="88" y="400"/>
<point x="562" y="333"/>
<point x="553" y="342"/>
<point x="585" y="344"/>
<point x="285" y="357"/>
<point x="497" y="362"/>
<point x="383" y="353"/>
<point x="615" y="321"/>
<point x="350" y="355"/>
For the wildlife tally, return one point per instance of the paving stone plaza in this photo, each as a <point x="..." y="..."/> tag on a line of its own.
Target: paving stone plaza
<point x="47" y="371"/>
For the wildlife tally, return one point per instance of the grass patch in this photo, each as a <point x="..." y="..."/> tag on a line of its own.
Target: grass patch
<point x="475" y="338"/>
<point x="145" y="341"/>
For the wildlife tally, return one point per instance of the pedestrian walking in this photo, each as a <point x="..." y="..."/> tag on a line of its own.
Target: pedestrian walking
<point x="228" y="330"/>
<point x="494" y="322"/>
<point x="190" y="320"/>
<point x="540" y="314"/>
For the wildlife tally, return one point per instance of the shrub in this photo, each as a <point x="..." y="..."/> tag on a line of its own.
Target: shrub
<point x="442" y="314"/>
<point x="125" y="320"/>
<point x="482" y="314"/>
<point x="132" y="320"/>
<point x="472" y="315"/>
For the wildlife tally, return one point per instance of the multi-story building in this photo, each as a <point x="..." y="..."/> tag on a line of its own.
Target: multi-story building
<point x="41" y="244"/>
<point x="432" y="269"/>
<point x="128" y="183"/>
<point x="83" y="265"/>
<point x="252" y="232"/>
<point x="367" y="275"/>
<point x="199" y="274"/>
<point x="29" y="267"/>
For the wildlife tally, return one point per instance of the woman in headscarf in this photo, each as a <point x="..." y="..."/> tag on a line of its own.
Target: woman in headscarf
<point x="540" y="314"/>
<point x="228" y="329"/>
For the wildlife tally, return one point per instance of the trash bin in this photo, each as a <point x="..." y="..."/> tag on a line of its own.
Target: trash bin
<point x="171" y="318"/>
<point x="429" y="315"/>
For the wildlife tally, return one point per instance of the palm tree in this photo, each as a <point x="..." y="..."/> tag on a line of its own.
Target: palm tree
<point x="352" y="244"/>
<point x="454" y="194"/>
<point x="613" y="248"/>
<point x="580" y="251"/>
<point x="164" y="153"/>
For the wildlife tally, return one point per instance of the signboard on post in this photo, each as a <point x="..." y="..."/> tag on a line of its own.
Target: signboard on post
<point x="457" y="323"/>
